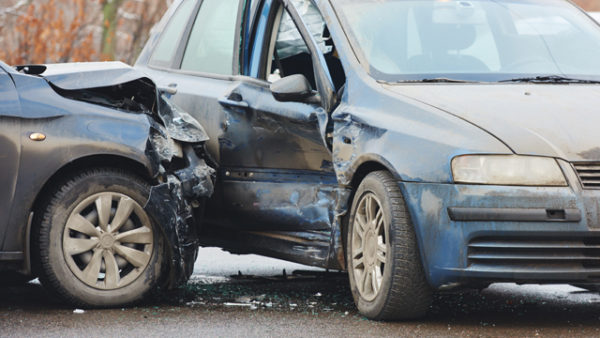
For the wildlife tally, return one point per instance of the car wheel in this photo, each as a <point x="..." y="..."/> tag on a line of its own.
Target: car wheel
<point x="96" y="245"/>
<point x="387" y="279"/>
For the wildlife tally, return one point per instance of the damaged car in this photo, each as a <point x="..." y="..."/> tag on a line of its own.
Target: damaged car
<point x="419" y="145"/>
<point x="103" y="182"/>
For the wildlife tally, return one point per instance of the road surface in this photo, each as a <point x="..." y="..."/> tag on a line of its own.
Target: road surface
<point x="261" y="301"/>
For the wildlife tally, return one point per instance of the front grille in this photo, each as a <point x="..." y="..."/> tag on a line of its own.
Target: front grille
<point x="589" y="174"/>
<point x="545" y="254"/>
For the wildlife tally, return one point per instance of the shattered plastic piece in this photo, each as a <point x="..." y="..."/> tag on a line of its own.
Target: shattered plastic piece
<point x="180" y="125"/>
<point x="171" y="204"/>
<point x="243" y="299"/>
<point x="239" y="304"/>
<point x="318" y="294"/>
<point x="194" y="303"/>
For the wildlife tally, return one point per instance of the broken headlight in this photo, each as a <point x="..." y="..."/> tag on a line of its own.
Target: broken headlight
<point x="508" y="170"/>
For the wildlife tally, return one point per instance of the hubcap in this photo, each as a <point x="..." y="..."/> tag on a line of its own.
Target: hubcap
<point x="108" y="241"/>
<point x="369" y="246"/>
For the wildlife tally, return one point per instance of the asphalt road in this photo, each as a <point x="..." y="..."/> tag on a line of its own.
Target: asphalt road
<point x="261" y="301"/>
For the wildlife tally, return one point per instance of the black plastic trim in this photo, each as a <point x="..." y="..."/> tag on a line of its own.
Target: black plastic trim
<point x="514" y="215"/>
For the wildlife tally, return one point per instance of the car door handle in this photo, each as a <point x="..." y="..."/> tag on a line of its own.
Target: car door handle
<point x="234" y="104"/>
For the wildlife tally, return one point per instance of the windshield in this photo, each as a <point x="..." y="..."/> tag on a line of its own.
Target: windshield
<point x="475" y="40"/>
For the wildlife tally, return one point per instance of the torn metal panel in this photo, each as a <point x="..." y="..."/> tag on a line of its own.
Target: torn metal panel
<point x="137" y="96"/>
<point x="262" y="132"/>
<point x="296" y="212"/>
<point x="310" y="248"/>
<point x="415" y="141"/>
<point x="280" y="199"/>
<point x="180" y="125"/>
<point x="173" y="203"/>
<point x="337" y="257"/>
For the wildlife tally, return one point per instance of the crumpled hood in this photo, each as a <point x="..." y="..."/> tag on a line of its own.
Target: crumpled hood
<point x="84" y="75"/>
<point x="120" y="86"/>
<point x="553" y="120"/>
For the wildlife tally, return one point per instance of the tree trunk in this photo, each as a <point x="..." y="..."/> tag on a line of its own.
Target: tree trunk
<point x="109" y="43"/>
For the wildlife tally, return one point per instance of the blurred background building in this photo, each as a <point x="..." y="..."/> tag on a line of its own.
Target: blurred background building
<point x="48" y="31"/>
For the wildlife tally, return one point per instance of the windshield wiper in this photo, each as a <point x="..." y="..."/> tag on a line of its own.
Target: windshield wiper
<point x="444" y="80"/>
<point x="431" y="80"/>
<point x="550" y="79"/>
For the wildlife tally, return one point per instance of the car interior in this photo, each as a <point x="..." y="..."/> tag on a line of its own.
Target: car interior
<point x="289" y="53"/>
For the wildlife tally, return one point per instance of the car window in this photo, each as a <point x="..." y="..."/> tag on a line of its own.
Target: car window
<point x="170" y="38"/>
<point x="211" y="45"/>
<point x="478" y="40"/>
<point x="289" y="53"/>
<point x="289" y="40"/>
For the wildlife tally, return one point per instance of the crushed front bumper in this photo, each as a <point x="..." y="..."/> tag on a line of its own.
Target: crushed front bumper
<point x="469" y="233"/>
<point x="175" y="203"/>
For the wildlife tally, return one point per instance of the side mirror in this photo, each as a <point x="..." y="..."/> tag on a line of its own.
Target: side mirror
<point x="293" y="88"/>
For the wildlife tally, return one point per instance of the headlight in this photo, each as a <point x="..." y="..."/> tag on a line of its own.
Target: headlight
<point x="508" y="170"/>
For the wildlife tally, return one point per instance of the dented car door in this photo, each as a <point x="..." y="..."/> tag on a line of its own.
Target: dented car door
<point x="279" y="184"/>
<point x="278" y="171"/>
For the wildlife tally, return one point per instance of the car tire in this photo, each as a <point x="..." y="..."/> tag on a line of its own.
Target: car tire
<point x="386" y="275"/>
<point x="95" y="245"/>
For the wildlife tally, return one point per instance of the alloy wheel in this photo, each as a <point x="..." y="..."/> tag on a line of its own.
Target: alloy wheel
<point x="369" y="246"/>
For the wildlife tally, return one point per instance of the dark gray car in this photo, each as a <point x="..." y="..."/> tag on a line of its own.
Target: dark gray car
<point x="101" y="179"/>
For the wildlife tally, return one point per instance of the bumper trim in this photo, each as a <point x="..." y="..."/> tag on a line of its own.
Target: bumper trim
<point x="514" y="215"/>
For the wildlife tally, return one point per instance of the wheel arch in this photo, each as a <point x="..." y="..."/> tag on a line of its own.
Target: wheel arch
<point x="362" y="167"/>
<point x="365" y="165"/>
